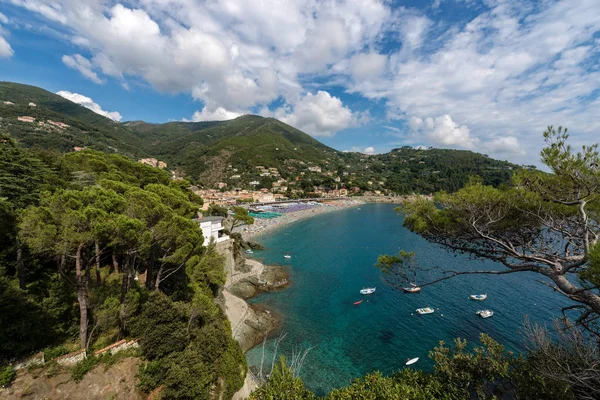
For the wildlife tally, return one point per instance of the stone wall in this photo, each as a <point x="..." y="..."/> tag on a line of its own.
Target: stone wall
<point x="72" y="358"/>
<point x="36" y="359"/>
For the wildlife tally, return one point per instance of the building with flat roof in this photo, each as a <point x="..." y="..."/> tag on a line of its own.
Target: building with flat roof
<point x="212" y="229"/>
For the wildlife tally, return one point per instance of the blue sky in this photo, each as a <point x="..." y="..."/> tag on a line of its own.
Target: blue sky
<point x="364" y="75"/>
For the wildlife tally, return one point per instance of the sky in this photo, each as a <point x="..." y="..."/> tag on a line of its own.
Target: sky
<point x="359" y="75"/>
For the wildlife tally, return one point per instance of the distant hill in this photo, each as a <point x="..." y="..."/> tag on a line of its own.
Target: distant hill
<point x="86" y="128"/>
<point x="206" y="149"/>
<point x="233" y="152"/>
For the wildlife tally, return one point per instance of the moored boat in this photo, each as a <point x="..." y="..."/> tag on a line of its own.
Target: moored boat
<point x="412" y="288"/>
<point x="485" y="313"/>
<point x="249" y="251"/>
<point x="358" y="302"/>
<point x="425" y="310"/>
<point x="287" y="256"/>
<point x="412" y="361"/>
<point x="367" y="290"/>
<point x="478" y="296"/>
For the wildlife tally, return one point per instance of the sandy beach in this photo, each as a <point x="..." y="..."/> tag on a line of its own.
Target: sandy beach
<point x="263" y="226"/>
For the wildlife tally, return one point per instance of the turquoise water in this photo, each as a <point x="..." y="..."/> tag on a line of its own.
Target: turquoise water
<point x="332" y="259"/>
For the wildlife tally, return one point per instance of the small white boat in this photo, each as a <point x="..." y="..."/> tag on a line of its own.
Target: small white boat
<point x="425" y="310"/>
<point x="249" y="251"/>
<point x="485" y="313"/>
<point x="412" y="361"/>
<point x="367" y="290"/>
<point x="478" y="296"/>
<point x="287" y="256"/>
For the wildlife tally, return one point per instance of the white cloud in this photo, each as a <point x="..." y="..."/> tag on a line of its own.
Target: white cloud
<point x="367" y="65"/>
<point x="83" y="65"/>
<point x="219" y="114"/>
<point x="369" y="150"/>
<point x="5" y="49"/>
<point x="443" y="132"/>
<point x="89" y="103"/>
<point x="317" y="114"/>
<point x="506" y="145"/>
<point x="3" y="19"/>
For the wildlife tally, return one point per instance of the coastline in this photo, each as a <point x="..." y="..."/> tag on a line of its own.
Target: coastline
<point x="264" y="226"/>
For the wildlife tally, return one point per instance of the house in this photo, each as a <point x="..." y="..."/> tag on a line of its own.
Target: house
<point x="314" y="168"/>
<point x="162" y="165"/>
<point x="343" y="192"/>
<point x="60" y="125"/>
<point x="26" y="119"/>
<point x="153" y="162"/>
<point x="254" y="183"/>
<point x="235" y="177"/>
<point x="32" y="105"/>
<point x="212" y="229"/>
<point x="221" y="185"/>
<point x="77" y="148"/>
<point x="8" y="103"/>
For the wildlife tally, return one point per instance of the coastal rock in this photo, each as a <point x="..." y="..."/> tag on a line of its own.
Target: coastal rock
<point x="244" y="289"/>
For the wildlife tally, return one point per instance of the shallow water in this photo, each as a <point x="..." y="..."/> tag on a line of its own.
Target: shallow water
<point x="332" y="259"/>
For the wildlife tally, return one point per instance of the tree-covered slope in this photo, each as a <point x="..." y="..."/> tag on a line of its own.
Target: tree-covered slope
<point x="86" y="128"/>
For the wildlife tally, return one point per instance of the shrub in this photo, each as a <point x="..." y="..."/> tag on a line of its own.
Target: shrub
<point x="7" y="374"/>
<point x="83" y="367"/>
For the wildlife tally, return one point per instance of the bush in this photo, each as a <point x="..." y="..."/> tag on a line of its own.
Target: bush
<point x="7" y="375"/>
<point x="83" y="367"/>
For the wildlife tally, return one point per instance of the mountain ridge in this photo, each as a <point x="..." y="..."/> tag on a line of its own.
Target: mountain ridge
<point x="230" y="152"/>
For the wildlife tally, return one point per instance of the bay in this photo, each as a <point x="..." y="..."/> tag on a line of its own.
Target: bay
<point x="333" y="257"/>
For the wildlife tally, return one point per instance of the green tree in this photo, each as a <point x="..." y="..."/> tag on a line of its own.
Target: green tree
<point x="544" y="223"/>
<point x="240" y="217"/>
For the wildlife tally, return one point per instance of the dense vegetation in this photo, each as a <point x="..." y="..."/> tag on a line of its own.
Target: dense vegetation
<point x="97" y="247"/>
<point x="229" y="151"/>
<point x="460" y="372"/>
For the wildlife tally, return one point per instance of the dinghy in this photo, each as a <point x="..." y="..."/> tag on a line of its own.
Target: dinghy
<point x="358" y="302"/>
<point x="485" y="313"/>
<point x="412" y="361"/>
<point x="478" y="296"/>
<point x="367" y="290"/>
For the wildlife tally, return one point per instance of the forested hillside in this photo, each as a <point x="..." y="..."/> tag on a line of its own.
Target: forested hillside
<point x="231" y="152"/>
<point x="95" y="248"/>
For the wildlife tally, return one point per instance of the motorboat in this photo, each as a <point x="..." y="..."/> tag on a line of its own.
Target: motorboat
<point x="249" y="251"/>
<point x="425" y="310"/>
<point x="485" y="313"/>
<point x="412" y="288"/>
<point x="367" y="290"/>
<point x="478" y="297"/>
<point x="287" y="256"/>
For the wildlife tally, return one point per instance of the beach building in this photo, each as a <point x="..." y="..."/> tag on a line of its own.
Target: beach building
<point x="212" y="229"/>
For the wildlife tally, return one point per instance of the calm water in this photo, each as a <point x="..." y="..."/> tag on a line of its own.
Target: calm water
<point x="332" y="259"/>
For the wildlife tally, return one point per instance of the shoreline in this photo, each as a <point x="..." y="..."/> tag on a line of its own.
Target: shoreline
<point x="264" y="226"/>
<point x="249" y="323"/>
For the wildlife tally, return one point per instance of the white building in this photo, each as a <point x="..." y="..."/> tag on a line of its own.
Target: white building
<point x="212" y="229"/>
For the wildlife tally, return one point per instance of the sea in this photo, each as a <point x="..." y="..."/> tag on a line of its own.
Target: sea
<point x="333" y="257"/>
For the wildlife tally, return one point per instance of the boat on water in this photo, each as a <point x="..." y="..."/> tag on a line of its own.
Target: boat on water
<point x="425" y="310"/>
<point x="287" y="256"/>
<point x="485" y="313"/>
<point x="249" y="251"/>
<point x="412" y="288"/>
<point x="412" y="361"/>
<point x="478" y="297"/>
<point x="367" y="290"/>
<point x="358" y="302"/>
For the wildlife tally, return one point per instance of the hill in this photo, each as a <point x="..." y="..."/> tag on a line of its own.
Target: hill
<point x="247" y="152"/>
<point x="85" y="127"/>
<point x="210" y="151"/>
